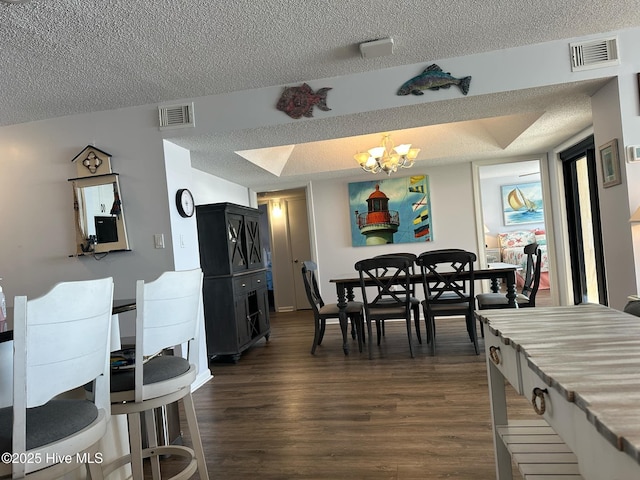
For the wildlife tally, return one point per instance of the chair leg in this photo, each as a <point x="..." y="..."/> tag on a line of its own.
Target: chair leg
<point x="416" y="319"/>
<point x="378" y="329"/>
<point x="194" y="431"/>
<point x="370" y="338"/>
<point x="356" y="329"/>
<point x="474" y="333"/>
<point x="409" y="328"/>
<point x="135" y="445"/>
<point x="316" y="337"/>
<point x="323" y="327"/>
<point x="152" y="442"/>
<point x="94" y="470"/>
<point x="430" y="324"/>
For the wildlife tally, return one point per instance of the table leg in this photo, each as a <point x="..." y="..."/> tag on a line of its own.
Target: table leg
<point x="511" y="289"/>
<point x="342" y="315"/>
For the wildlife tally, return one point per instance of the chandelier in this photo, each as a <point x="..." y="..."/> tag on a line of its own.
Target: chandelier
<point x="387" y="157"/>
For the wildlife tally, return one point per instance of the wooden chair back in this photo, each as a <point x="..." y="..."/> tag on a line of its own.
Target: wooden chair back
<point x="167" y="313"/>
<point x="447" y="276"/>
<point x="61" y="342"/>
<point x="532" y="273"/>
<point x="311" y="285"/>
<point x="390" y="277"/>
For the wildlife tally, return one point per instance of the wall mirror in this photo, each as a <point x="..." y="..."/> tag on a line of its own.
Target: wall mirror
<point x="99" y="217"/>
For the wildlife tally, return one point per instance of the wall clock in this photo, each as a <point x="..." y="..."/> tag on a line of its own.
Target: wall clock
<point x="184" y="202"/>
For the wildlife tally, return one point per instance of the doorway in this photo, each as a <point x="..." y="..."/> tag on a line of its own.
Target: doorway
<point x="512" y="206"/>
<point x="583" y="218"/>
<point x="289" y="246"/>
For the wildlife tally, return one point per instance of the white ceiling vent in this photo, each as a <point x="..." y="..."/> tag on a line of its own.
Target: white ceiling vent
<point x="176" y="116"/>
<point x="594" y="54"/>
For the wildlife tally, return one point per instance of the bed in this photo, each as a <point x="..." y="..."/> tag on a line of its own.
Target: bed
<point x="512" y="251"/>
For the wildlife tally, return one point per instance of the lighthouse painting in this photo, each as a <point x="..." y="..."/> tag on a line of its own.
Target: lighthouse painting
<point x="392" y="210"/>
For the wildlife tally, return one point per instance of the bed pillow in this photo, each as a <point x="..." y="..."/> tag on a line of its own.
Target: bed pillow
<point x="516" y="239"/>
<point x="541" y="237"/>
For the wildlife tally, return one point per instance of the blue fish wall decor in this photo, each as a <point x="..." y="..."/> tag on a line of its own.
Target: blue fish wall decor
<point x="433" y="78"/>
<point x="299" y="101"/>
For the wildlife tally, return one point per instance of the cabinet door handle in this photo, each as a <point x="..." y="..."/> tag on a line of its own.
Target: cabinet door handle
<point x="493" y="354"/>
<point x="258" y="281"/>
<point x="538" y="394"/>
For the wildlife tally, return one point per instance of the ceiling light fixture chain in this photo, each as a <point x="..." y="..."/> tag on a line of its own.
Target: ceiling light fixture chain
<point x="387" y="157"/>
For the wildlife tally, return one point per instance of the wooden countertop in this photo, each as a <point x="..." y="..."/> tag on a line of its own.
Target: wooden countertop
<point x="590" y="354"/>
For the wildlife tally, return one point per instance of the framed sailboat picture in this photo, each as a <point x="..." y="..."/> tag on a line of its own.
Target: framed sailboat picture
<point x="522" y="203"/>
<point x="390" y="210"/>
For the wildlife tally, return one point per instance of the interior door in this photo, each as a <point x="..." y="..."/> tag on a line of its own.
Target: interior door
<point x="300" y="245"/>
<point x="583" y="218"/>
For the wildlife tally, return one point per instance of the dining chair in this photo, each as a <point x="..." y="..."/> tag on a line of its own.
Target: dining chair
<point x="324" y="311"/>
<point x="167" y="313"/>
<point x="415" y="302"/>
<point x="61" y="342"/>
<point x="377" y="305"/>
<point x="527" y="297"/>
<point x="448" y="284"/>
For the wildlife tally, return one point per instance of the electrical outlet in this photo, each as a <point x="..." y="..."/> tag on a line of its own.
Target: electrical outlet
<point x="158" y="240"/>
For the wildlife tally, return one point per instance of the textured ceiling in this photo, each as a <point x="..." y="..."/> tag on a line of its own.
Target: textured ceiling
<point x="65" y="57"/>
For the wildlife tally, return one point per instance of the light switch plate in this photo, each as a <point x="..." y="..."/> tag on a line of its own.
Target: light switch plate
<point x="158" y="240"/>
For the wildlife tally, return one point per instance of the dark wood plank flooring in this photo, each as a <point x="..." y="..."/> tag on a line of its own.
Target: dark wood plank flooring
<point x="281" y="413"/>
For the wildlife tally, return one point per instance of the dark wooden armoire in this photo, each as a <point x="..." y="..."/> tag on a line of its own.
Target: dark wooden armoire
<point x="236" y="305"/>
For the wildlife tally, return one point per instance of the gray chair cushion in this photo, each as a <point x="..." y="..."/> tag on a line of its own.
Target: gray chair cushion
<point x="487" y="300"/>
<point x="158" y="369"/>
<point x="633" y="307"/>
<point x="331" y="309"/>
<point x="52" y="421"/>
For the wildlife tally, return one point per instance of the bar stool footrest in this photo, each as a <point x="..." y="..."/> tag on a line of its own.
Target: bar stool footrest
<point x="187" y="472"/>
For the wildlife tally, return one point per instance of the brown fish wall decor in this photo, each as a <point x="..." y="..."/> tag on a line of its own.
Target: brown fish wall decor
<point x="299" y="101"/>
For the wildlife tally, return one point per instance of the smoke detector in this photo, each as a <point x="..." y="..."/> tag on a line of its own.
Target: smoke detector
<point x="377" y="48"/>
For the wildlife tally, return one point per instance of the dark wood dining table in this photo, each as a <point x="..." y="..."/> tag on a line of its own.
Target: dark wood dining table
<point x="346" y="283"/>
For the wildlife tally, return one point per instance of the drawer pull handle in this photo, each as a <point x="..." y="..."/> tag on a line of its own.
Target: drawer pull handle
<point x="244" y="285"/>
<point x="493" y="354"/>
<point x="538" y="394"/>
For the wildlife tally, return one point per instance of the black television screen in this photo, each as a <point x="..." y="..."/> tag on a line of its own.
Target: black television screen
<point x="106" y="229"/>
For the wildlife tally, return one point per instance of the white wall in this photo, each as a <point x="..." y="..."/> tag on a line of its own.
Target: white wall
<point x="184" y="231"/>
<point x="497" y="71"/>
<point x="614" y="201"/>
<point x="211" y="189"/>
<point x="452" y="210"/>
<point x="36" y="203"/>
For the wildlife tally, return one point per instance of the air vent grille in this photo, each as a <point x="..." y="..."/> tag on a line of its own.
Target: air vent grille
<point x="176" y="116"/>
<point x="594" y="54"/>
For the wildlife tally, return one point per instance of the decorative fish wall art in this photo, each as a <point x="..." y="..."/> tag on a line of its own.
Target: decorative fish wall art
<point x="299" y="101"/>
<point x="433" y="78"/>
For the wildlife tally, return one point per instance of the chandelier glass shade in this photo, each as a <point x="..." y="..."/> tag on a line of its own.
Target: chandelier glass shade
<point x="387" y="157"/>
